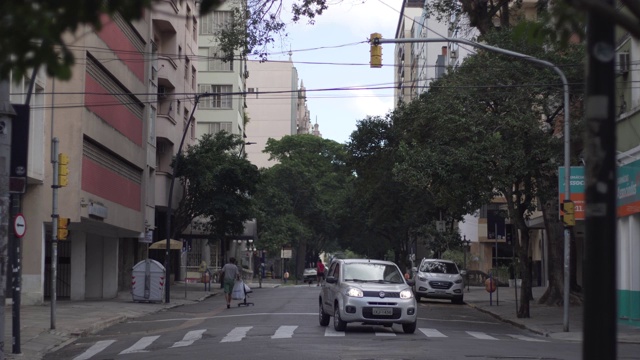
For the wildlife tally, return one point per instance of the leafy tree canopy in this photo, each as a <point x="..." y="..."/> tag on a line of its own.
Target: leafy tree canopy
<point x="299" y="198"/>
<point x="31" y="32"/>
<point x="385" y="213"/>
<point x="219" y="185"/>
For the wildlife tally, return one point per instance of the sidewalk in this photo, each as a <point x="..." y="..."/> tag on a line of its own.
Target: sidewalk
<point x="544" y="320"/>
<point x="80" y="318"/>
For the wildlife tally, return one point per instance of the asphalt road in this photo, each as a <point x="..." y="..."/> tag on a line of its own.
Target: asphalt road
<point x="283" y="324"/>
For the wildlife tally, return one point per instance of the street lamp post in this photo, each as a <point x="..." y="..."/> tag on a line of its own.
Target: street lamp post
<point x="567" y="139"/>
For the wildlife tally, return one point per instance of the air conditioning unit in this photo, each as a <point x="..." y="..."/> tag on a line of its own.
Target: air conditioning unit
<point x="162" y="92"/>
<point x="622" y="63"/>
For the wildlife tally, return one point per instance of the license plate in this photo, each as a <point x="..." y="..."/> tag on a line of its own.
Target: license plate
<point x="382" y="311"/>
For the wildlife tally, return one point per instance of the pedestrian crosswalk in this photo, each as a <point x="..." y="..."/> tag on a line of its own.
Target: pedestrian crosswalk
<point x="244" y="333"/>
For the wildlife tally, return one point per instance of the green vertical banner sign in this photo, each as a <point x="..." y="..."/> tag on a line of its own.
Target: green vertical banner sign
<point x="628" y="199"/>
<point x="576" y="185"/>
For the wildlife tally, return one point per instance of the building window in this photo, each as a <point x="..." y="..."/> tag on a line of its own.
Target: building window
<point x="194" y="30"/>
<point x="193" y="78"/>
<point x="187" y="67"/>
<point x="216" y="127"/>
<point x="220" y="98"/>
<point x="215" y="21"/>
<point x="215" y="62"/>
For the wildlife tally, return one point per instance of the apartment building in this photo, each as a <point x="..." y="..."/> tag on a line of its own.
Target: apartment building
<point x="628" y="201"/>
<point x="221" y="109"/>
<point x="276" y="106"/>
<point x="119" y="119"/>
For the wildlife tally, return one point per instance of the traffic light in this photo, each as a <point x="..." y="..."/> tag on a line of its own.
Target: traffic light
<point x="569" y="216"/>
<point x="508" y="233"/>
<point x="376" y="51"/>
<point x="63" y="228"/>
<point x="63" y="169"/>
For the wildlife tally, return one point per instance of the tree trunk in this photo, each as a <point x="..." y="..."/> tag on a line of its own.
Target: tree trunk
<point x="301" y="262"/>
<point x="525" y="270"/>
<point x="554" y="295"/>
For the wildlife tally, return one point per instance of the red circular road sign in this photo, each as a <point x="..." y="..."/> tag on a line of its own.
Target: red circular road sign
<point x="19" y="225"/>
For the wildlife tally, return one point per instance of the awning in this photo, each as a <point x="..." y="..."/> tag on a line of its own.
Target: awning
<point x="162" y="245"/>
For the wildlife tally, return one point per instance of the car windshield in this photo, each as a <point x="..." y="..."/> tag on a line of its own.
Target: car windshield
<point x="439" y="267"/>
<point x="371" y="272"/>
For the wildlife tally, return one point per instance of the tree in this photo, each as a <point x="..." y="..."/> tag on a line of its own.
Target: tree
<point x="495" y="122"/>
<point x="299" y="198"/>
<point x="219" y="184"/>
<point x="390" y="214"/>
<point x="31" y="32"/>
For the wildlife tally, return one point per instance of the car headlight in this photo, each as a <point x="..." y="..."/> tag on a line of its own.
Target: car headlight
<point x="458" y="281"/>
<point x="406" y="294"/>
<point x="422" y="278"/>
<point x="354" y="292"/>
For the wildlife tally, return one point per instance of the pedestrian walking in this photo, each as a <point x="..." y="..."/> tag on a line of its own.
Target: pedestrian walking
<point x="319" y="271"/>
<point x="229" y="274"/>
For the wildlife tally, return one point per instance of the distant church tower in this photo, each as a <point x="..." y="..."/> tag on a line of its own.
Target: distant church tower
<point x="316" y="128"/>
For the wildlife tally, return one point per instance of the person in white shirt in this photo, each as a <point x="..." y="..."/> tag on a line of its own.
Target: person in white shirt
<point x="229" y="274"/>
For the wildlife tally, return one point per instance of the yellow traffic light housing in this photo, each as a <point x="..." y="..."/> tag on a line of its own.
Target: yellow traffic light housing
<point x="63" y="228"/>
<point x="376" y="50"/>
<point x="569" y="216"/>
<point x="63" y="170"/>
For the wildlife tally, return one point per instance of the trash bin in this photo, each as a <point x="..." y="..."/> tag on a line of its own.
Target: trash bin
<point x="147" y="281"/>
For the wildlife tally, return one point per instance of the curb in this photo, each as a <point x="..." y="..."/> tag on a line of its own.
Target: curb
<point x="509" y="321"/>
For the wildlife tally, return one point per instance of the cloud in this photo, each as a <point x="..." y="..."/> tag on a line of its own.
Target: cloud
<point x="357" y="17"/>
<point x="370" y="103"/>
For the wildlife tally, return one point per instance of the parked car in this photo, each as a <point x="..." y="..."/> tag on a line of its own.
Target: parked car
<point x="309" y="275"/>
<point x="371" y="292"/>
<point x="439" y="279"/>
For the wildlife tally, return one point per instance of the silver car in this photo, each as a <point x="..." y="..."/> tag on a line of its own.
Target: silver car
<point x="439" y="279"/>
<point x="371" y="292"/>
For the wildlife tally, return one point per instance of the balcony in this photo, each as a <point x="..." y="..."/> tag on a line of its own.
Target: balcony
<point x="168" y="75"/>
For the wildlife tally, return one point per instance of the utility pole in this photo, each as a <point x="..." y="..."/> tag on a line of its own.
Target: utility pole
<point x="167" y="259"/>
<point x="6" y="115"/>
<point x="600" y="308"/>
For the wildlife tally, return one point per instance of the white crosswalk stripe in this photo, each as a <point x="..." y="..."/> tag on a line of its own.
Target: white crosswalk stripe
<point x="432" y="333"/>
<point x="284" y="332"/>
<point x="330" y="331"/>
<point x="527" y="338"/>
<point x="95" y="349"/>
<point x="237" y="334"/>
<point x="385" y="333"/>
<point x="481" y="335"/>
<point x="190" y="338"/>
<point x="141" y="345"/>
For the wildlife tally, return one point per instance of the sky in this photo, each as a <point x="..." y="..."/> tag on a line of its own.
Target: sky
<point x="341" y="58"/>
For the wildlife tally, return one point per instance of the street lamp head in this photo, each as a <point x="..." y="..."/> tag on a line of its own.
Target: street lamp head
<point x="250" y="143"/>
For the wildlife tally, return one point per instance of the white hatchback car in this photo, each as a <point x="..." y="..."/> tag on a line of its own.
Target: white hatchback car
<point x="439" y="279"/>
<point x="371" y="292"/>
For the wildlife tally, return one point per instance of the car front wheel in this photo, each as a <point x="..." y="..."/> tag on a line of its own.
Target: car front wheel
<point x="324" y="317"/>
<point x="409" y="328"/>
<point x="338" y="324"/>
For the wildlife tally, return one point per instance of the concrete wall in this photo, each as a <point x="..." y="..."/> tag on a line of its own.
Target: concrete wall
<point x="110" y="268"/>
<point x="78" y="265"/>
